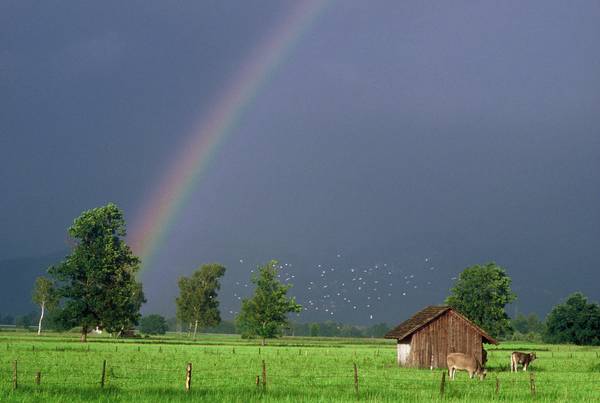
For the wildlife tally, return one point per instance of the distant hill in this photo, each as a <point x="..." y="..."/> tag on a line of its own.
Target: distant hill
<point x="16" y="281"/>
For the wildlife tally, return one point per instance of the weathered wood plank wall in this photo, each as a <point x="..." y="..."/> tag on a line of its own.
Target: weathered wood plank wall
<point x="447" y="334"/>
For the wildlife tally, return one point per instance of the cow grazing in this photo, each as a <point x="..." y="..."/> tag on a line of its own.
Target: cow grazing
<point x="466" y="362"/>
<point x="518" y="358"/>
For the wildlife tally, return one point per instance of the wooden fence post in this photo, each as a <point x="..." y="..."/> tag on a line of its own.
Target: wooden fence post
<point x="15" y="380"/>
<point x="103" y="378"/>
<point x="264" y="375"/>
<point x="257" y="380"/>
<point x="355" y="379"/>
<point x="497" y="385"/>
<point x="38" y="378"/>
<point x="188" y="377"/>
<point x="532" y="383"/>
<point x="443" y="384"/>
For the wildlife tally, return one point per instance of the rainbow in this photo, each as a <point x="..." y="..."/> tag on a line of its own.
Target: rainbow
<point x="160" y="211"/>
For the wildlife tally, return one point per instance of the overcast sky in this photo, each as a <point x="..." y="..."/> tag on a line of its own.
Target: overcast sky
<point x="407" y="134"/>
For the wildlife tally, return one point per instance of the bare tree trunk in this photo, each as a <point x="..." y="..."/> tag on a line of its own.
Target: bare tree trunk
<point x="262" y="343"/>
<point x="84" y="332"/>
<point x="41" y="318"/>
<point x="195" y="328"/>
<point x="189" y="329"/>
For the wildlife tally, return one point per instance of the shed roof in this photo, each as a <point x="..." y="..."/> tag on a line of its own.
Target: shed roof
<point x="426" y="316"/>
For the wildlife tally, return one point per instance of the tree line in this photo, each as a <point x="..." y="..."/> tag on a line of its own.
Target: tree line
<point x="482" y="292"/>
<point x="95" y="287"/>
<point x="155" y="324"/>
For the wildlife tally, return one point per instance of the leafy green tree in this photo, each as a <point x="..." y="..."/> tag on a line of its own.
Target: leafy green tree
<point x="45" y="296"/>
<point x="197" y="303"/>
<point x="481" y="294"/>
<point x="574" y="321"/>
<point x="527" y="324"/>
<point x="54" y="320"/>
<point x="314" y="329"/>
<point x="265" y="313"/>
<point x="153" y="324"/>
<point x="97" y="280"/>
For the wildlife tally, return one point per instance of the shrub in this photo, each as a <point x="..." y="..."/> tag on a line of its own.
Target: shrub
<point x="153" y="324"/>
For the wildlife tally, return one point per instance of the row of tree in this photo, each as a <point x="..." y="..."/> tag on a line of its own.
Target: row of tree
<point x="155" y="324"/>
<point x="263" y="315"/>
<point x="482" y="292"/>
<point x="95" y="286"/>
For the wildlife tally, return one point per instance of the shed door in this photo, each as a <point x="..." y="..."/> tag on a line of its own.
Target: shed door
<point x="403" y="353"/>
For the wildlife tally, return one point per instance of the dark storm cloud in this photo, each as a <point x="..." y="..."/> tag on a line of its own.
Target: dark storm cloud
<point x="393" y="133"/>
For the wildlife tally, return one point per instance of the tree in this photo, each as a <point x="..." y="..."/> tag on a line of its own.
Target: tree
<point x="265" y="313"/>
<point x="153" y="324"/>
<point x="527" y="324"/>
<point x="45" y="296"/>
<point x="574" y="321"/>
<point x="481" y="294"/>
<point x="97" y="280"/>
<point x="197" y="303"/>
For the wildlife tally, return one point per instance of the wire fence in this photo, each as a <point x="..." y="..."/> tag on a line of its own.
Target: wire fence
<point x="184" y="375"/>
<point x="357" y="371"/>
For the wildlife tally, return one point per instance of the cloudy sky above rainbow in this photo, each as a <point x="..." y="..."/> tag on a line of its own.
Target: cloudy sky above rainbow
<point x="384" y="136"/>
<point x="216" y="124"/>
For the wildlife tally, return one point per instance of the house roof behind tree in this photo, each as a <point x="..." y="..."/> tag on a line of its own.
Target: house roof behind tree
<point x="425" y="317"/>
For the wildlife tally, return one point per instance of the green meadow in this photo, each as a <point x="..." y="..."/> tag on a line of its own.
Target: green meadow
<point x="225" y="368"/>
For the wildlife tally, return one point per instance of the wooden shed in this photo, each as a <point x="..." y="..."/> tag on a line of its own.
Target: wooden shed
<point x="425" y="340"/>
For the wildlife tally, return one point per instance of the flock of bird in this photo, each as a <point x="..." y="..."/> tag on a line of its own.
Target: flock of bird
<point x="326" y="290"/>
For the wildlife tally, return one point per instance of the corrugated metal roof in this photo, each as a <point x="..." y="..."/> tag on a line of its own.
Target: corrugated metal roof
<point x="424" y="317"/>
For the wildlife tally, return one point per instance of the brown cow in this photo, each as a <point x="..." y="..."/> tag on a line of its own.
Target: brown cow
<point x="460" y="361"/>
<point x="523" y="359"/>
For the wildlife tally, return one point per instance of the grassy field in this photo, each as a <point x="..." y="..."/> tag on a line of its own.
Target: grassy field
<point x="298" y="369"/>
